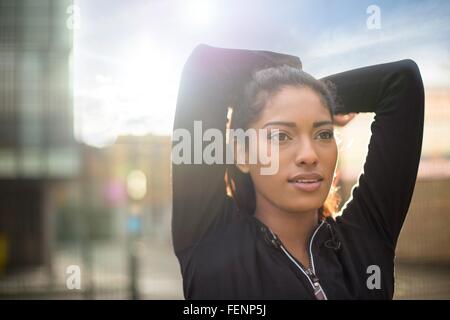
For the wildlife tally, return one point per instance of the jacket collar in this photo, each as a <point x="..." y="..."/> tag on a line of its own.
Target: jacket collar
<point x="325" y="234"/>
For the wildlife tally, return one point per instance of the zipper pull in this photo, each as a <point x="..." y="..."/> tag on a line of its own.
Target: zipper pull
<point x="318" y="291"/>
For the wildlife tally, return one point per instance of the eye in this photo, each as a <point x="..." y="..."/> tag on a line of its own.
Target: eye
<point x="326" y="135"/>
<point x="279" y="136"/>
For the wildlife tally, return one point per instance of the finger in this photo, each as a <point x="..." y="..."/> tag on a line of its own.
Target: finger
<point x="343" y="119"/>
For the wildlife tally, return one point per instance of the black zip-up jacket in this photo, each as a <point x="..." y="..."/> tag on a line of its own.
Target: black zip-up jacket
<point x="229" y="254"/>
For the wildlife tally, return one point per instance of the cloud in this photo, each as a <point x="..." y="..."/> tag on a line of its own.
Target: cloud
<point x="342" y="49"/>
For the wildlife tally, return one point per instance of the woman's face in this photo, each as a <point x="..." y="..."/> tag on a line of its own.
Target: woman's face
<point x="297" y="118"/>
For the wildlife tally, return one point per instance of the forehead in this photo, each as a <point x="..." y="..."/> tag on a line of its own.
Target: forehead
<point x="296" y="104"/>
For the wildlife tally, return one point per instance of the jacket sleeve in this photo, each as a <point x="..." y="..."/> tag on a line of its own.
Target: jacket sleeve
<point x="394" y="92"/>
<point x="209" y="78"/>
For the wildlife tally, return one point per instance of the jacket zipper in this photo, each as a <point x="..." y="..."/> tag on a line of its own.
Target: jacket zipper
<point x="310" y="273"/>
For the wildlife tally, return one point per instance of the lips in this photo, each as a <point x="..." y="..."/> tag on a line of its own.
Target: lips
<point x="307" y="182"/>
<point x="306" y="178"/>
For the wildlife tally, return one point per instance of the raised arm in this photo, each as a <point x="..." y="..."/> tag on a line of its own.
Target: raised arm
<point x="209" y="78"/>
<point x="394" y="91"/>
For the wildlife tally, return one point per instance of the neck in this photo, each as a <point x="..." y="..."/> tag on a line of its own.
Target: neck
<point x="293" y="228"/>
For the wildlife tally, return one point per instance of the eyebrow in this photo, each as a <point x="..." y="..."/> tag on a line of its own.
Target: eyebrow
<point x="293" y="125"/>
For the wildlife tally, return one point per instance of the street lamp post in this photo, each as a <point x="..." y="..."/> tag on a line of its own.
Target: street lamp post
<point x="137" y="190"/>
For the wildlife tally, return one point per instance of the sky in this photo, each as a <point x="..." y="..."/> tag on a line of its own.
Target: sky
<point x="128" y="55"/>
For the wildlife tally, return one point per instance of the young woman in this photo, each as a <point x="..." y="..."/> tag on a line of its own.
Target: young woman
<point x="239" y="234"/>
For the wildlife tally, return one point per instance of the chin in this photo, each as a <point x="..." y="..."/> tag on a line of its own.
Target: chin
<point x="304" y="206"/>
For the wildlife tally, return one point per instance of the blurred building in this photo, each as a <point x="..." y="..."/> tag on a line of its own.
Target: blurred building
<point x="105" y="187"/>
<point x="37" y="151"/>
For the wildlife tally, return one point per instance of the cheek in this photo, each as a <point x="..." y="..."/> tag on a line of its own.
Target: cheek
<point x="329" y="160"/>
<point x="263" y="181"/>
<point x="270" y="186"/>
<point x="328" y="157"/>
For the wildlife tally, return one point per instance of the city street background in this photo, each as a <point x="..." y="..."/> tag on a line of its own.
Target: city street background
<point x="87" y="98"/>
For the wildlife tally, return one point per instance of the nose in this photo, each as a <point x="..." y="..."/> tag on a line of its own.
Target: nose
<point x="306" y="155"/>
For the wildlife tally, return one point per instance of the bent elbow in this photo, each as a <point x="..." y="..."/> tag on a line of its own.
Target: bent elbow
<point x="411" y="75"/>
